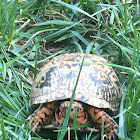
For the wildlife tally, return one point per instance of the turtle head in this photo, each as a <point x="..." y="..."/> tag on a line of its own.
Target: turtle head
<point x="76" y="107"/>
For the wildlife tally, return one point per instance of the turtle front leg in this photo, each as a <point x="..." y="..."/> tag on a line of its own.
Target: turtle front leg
<point x="110" y="125"/>
<point x="41" y="116"/>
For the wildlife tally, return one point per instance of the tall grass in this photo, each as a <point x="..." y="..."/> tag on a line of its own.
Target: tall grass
<point x="32" y="32"/>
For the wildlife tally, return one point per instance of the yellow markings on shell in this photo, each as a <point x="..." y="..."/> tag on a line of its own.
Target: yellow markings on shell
<point x="42" y="80"/>
<point x="88" y="89"/>
<point x="67" y="103"/>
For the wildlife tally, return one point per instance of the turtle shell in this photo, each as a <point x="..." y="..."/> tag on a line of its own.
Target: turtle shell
<point x="97" y="86"/>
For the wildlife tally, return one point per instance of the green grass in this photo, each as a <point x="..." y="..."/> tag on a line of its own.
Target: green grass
<point x="32" y="32"/>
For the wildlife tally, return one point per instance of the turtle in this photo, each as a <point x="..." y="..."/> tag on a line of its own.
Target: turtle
<point x="97" y="92"/>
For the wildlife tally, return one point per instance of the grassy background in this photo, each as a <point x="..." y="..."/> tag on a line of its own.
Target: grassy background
<point x="32" y="32"/>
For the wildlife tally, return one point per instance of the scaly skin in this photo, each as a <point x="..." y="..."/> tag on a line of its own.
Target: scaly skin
<point x="110" y="125"/>
<point x="48" y="110"/>
<point x="42" y="115"/>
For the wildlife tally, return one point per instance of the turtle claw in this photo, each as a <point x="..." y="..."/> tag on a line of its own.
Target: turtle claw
<point x="114" y="133"/>
<point x="114" y="136"/>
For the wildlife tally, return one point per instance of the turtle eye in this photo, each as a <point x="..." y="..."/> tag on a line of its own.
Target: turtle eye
<point x="61" y="108"/>
<point x="81" y="109"/>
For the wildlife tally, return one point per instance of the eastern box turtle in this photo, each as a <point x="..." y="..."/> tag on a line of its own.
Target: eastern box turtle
<point x="98" y="90"/>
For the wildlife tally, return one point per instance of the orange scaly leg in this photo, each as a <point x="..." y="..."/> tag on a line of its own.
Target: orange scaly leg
<point x="42" y="115"/>
<point x="110" y="125"/>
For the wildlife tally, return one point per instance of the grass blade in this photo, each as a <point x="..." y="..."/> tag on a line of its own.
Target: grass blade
<point x="132" y="109"/>
<point x="134" y="50"/>
<point x="137" y="133"/>
<point x="2" y="127"/>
